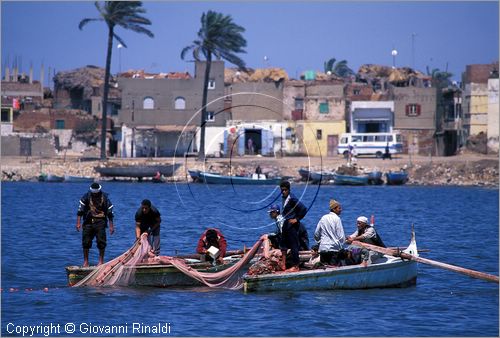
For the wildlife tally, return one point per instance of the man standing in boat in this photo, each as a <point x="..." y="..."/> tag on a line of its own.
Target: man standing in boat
<point x="96" y="209"/>
<point x="293" y="212"/>
<point x="148" y="219"/>
<point x="330" y="235"/>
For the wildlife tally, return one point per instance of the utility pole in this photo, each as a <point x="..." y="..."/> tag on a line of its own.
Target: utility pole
<point x="413" y="35"/>
<point x="132" y="141"/>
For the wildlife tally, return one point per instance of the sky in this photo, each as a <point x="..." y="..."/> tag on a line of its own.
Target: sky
<point x="296" y="36"/>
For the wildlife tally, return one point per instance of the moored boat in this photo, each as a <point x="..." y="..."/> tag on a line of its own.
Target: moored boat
<point x="321" y="176"/>
<point x="50" y="178"/>
<point x="375" y="177"/>
<point x="78" y="179"/>
<point x="339" y="179"/>
<point x="305" y="174"/>
<point x="396" y="177"/>
<point x="253" y="180"/>
<point x="138" y="171"/>
<point x="386" y="271"/>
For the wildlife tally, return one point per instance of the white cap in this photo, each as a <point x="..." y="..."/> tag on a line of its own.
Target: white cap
<point x="362" y="219"/>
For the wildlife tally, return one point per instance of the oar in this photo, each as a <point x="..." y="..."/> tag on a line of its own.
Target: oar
<point x="458" y="269"/>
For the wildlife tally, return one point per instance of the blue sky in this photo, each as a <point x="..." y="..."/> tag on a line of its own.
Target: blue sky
<point x="296" y="36"/>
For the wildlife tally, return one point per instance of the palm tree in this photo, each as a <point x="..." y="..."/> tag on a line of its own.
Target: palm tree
<point x="439" y="78"/>
<point x="126" y="14"/>
<point x="218" y="36"/>
<point x="338" y="68"/>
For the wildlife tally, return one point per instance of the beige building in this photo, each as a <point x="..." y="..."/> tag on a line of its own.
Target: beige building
<point x="493" y="113"/>
<point x="315" y="138"/>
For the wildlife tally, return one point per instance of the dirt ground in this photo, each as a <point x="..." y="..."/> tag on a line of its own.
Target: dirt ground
<point x="465" y="169"/>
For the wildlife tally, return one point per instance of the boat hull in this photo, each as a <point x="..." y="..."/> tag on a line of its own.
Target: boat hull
<point x="138" y="171"/>
<point x="391" y="274"/>
<point x="219" y="179"/>
<point x="396" y="178"/>
<point x="350" y="180"/>
<point x="375" y="178"/>
<point x="321" y="176"/>
<point x="78" y="179"/>
<point x="157" y="275"/>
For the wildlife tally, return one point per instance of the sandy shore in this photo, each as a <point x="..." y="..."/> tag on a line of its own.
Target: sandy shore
<point x="466" y="169"/>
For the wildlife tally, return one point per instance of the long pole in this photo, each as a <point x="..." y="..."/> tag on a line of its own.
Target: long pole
<point x="458" y="269"/>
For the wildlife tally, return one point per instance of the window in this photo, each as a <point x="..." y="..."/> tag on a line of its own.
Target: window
<point x="368" y="138"/>
<point x="319" y="134"/>
<point x="398" y="138"/>
<point x="357" y="138"/>
<point x="299" y="103"/>
<point x="211" y="84"/>
<point x="323" y="108"/>
<point x="380" y="138"/>
<point x="180" y="103"/>
<point x="356" y="91"/>
<point x="210" y="116"/>
<point x="412" y="110"/>
<point x="343" y="140"/>
<point x="59" y="124"/>
<point x="148" y="103"/>
<point x="6" y="115"/>
<point x="389" y="138"/>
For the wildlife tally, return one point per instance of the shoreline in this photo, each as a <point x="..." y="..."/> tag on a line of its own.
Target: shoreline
<point x="461" y="170"/>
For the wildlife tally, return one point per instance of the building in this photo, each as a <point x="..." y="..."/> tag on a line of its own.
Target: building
<point x="493" y="112"/>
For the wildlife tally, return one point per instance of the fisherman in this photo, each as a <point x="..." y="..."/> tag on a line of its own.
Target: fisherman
<point x="365" y="233"/>
<point x="293" y="212"/>
<point x="212" y="238"/>
<point x="148" y="219"/>
<point x="274" y="213"/>
<point x="96" y="209"/>
<point x="330" y="236"/>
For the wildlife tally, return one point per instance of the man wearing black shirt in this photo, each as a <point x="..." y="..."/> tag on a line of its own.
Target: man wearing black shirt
<point x="147" y="219"/>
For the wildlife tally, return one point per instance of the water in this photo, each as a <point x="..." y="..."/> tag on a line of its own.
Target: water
<point x="458" y="224"/>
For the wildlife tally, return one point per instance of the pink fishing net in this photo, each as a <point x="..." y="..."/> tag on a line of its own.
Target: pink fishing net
<point x="120" y="271"/>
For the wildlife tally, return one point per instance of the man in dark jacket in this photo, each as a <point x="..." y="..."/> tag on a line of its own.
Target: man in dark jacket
<point x="148" y="219"/>
<point x="96" y="209"/>
<point x="293" y="212"/>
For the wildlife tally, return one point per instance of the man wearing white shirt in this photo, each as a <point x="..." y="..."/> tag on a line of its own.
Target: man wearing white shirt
<point x="330" y="235"/>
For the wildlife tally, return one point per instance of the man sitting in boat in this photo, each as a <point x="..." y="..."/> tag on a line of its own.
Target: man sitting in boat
<point x="274" y="238"/>
<point x="330" y="236"/>
<point x="148" y="219"/>
<point x="365" y="233"/>
<point x="212" y="238"/>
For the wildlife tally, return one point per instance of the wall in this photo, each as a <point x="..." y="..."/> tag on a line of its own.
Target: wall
<point x="253" y="101"/>
<point x="292" y="90"/>
<point x="164" y="92"/>
<point x="306" y="134"/>
<point x="425" y="97"/>
<point x="41" y="145"/>
<point x="317" y="93"/>
<point x="477" y="94"/>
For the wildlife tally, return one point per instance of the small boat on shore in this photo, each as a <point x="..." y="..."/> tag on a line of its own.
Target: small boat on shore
<point x="339" y="179"/>
<point x="321" y="176"/>
<point x="138" y="171"/>
<point x="396" y="177"/>
<point x="375" y="177"/>
<point x="78" y="179"/>
<point x="50" y="178"/>
<point x="305" y="174"/>
<point x="248" y="180"/>
<point x="386" y="271"/>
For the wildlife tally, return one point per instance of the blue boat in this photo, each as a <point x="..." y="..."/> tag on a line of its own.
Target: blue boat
<point x="253" y="180"/>
<point x="305" y="174"/>
<point x="375" y="177"/>
<point x="350" y="179"/>
<point x="396" y="178"/>
<point x="321" y="176"/>
<point x="78" y="179"/>
<point x="50" y="178"/>
<point x="386" y="271"/>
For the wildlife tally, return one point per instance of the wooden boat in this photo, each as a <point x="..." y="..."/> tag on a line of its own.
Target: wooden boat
<point x="339" y="179"/>
<point x="50" y="178"/>
<point x="375" y="177"/>
<point x="138" y="171"/>
<point x="220" y="179"/>
<point x="195" y="175"/>
<point x="78" y="179"/>
<point x="396" y="177"/>
<point x="159" y="275"/>
<point x="305" y="174"/>
<point x="321" y="176"/>
<point x="386" y="271"/>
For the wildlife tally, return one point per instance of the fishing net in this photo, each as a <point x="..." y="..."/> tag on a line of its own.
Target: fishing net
<point x="120" y="271"/>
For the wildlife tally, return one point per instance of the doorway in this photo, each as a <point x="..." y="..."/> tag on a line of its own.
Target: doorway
<point x="253" y="141"/>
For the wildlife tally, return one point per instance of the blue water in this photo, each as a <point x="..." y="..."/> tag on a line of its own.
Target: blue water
<point x="458" y="224"/>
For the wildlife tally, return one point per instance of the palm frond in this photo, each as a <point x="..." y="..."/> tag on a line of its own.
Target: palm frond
<point x="86" y="21"/>
<point x="120" y="40"/>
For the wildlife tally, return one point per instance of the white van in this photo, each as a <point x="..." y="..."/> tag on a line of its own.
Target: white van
<point x="370" y="143"/>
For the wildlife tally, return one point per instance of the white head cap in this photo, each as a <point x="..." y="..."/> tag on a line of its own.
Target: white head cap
<point x="362" y="219"/>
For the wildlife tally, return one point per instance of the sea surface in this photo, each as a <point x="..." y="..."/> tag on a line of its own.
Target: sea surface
<point x="458" y="225"/>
